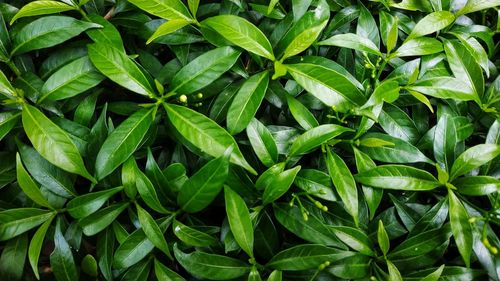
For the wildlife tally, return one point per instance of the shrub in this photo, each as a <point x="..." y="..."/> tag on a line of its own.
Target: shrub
<point x="248" y="140"/>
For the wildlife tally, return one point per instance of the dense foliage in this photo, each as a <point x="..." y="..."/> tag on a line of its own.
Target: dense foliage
<point x="249" y="140"/>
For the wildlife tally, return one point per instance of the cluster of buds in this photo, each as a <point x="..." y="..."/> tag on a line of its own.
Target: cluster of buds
<point x="369" y="64"/>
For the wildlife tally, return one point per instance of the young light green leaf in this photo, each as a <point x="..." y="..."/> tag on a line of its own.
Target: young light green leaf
<point x="167" y="28"/>
<point x="460" y="227"/>
<point x="383" y="238"/>
<point x="242" y="33"/>
<point x="276" y="275"/>
<point x="388" y="30"/>
<point x="431" y="23"/>
<point x="38" y="8"/>
<point x="419" y="47"/>
<point x="211" y="266"/>
<point x="152" y="230"/>
<point x="61" y="259"/>
<point x="477" y="5"/>
<point x="394" y="274"/>
<point x="352" y="41"/>
<point x="6" y="87"/>
<point x="52" y="142"/>
<point x="85" y="205"/>
<point x="202" y="188"/>
<point x="239" y="220"/>
<point x="445" y="88"/>
<point x="123" y="142"/>
<point x="246" y="102"/>
<point x="36" y="245"/>
<point x="434" y="276"/>
<point x="398" y="177"/>
<point x="205" y="134"/>
<point x="315" y="137"/>
<point x="344" y="183"/>
<point x="473" y="158"/>
<point x="262" y="142"/>
<point x="399" y="152"/>
<point x="47" y="32"/>
<point x="204" y="70"/>
<point x="167" y="9"/>
<point x="118" y="67"/>
<point x="28" y="185"/>
<point x="71" y="80"/>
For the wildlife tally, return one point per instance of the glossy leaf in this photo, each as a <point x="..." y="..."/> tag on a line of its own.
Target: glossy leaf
<point x="460" y="227"/>
<point x="398" y="177"/>
<point x="38" y="8"/>
<point x="315" y="137"/>
<point x="239" y="220"/>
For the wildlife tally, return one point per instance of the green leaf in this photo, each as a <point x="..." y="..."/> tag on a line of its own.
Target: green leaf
<point x="387" y="91"/>
<point x="394" y="274"/>
<point x="152" y="230"/>
<point x="118" y="67"/>
<point x="477" y="5"/>
<point x="204" y="70"/>
<point x="205" y="134"/>
<point x="262" y="142"/>
<point x="105" y="246"/>
<point x="352" y="41"/>
<point x="8" y="120"/>
<point x="167" y="9"/>
<point x="5" y="86"/>
<point x="279" y="185"/>
<point x="344" y="183"/>
<point x="52" y="142"/>
<point x="13" y="258"/>
<point x="460" y="227"/>
<point x="421" y="243"/>
<point x="136" y="246"/>
<point x="312" y="229"/>
<point x="445" y="140"/>
<point x="85" y="205"/>
<point x="383" y="238"/>
<point x="276" y="275"/>
<point x="434" y="276"/>
<point x="314" y="138"/>
<point x="473" y="158"/>
<point x="373" y="196"/>
<point x="303" y="257"/>
<point x="164" y="273"/>
<point x="431" y="23"/>
<point x="19" y="220"/>
<point x="330" y="86"/>
<point x="239" y="220"/>
<point x="101" y="219"/>
<point x="210" y="266"/>
<point x="89" y="265"/>
<point x="47" y="32"/>
<point x="388" y="30"/>
<point x="419" y="47"/>
<point x="445" y="88"/>
<point x="398" y="177"/>
<point x="202" y="188"/>
<point x="301" y="114"/>
<point x="38" y="8"/>
<point x="5" y="43"/>
<point x="246" y="102"/>
<point x="241" y="33"/>
<point x="123" y="142"/>
<point x="148" y="192"/>
<point x="167" y="28"/>
<point x="36" y="245"/>
<point x="354" y="238"/>
<point x="28" y="185"/>
<point x="108" y="34"/>
<point x="61" y="259"/>
<point x="71" y="80"/>
<point x="191" y="236"/>
<point x="304" y="32"/>
<point x="477" y="185"/>
<point x="464" y="66"/>
<point x="400" y="152"/>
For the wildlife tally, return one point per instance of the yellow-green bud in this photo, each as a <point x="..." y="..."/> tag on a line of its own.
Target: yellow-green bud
<point x="327" y="263"/>
<point x="183" y="98"/>
<point x="199" y="95"/>
<point x="321" y="267"/>
<point x="305" y="216"/>
<point x="324" y="209"/>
